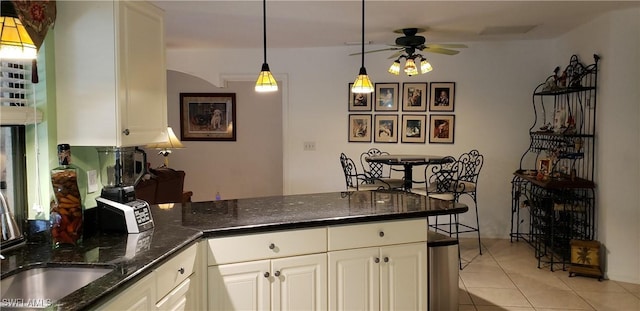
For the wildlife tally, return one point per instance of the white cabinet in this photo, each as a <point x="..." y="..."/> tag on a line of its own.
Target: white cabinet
<point x="141" y="296"/>
<point x="382" y="266"/>
<point x="284" y="270"/>
<point x="110" y="73"/>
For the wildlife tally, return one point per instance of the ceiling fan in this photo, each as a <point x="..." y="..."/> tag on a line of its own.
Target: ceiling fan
<point x="407" y="47"/>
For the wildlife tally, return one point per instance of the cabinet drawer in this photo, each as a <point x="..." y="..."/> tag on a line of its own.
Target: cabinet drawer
<point x="377" y="234"/>
<point x="176" y="270"/>
<point x="267" y="245"/>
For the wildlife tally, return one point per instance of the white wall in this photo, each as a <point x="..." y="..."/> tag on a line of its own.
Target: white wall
<point x="494" y="82"/>
<point x="616" y="38"/>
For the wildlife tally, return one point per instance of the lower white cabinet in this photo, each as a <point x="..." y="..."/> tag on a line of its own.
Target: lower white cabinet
<point x="379" y="278"/>
<point x="140" y="296"/>
<point x="291" y="283"/>
<point x="177" y="299"/>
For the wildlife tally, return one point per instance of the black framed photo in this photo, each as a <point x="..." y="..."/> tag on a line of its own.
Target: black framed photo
<point x="360" y="128"/>
<point x="442" y="96"/>
<point x="386" y="128"/>
<point x="359" y="101"/>
<point x="387" y="96"/>
<point x="441" y="128"/>
<point x="208" y="116"/>
<point x="414" y="96"/>
<point x="414" y="128"/>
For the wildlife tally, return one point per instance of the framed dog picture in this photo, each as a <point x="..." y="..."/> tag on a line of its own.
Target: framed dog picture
<point x="442" y="96"/>
<point x="387" y="95"/>
<point x="208" y="116"/>
<point x="359" y="101"/>
<point x="441" y="128"/>
<point x="413" y="128"/>
<point x="386" y="128"/>
<point x="414" y="96"/>
<point x="360" y="128"/>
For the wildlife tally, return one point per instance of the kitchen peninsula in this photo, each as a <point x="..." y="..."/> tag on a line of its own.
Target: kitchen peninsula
<point x="331" y="230"/>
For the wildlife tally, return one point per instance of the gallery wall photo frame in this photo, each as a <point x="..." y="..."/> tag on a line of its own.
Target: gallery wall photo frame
<point x="387" y="96"/>
<point x="414" y="96"/>
<point x="443" y="96"/>
<point x="208" y="116"/>
<point x="359" y="101"/>
<point x="360" y="128"/>
<point x="385" y="128"/>
<point x="414" y="128"/>
<point x="441" y="128"/>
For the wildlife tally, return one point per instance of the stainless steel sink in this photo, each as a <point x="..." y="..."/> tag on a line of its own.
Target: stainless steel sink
<point x="48" y="284"/>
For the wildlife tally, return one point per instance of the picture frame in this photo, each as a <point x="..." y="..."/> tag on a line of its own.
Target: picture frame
<point x="360" y="128"/>
<point x="414" y="96"/>
<point x="414" y="128"/>
<point x="441" y="128"/>
<point x="442" y="97"/>
<point x="385" y="128"/>
<point x="544" y="166"/>
<point x="208" y="116"/>
<point x="359" y="101"/>
<point x="387" y="96"/>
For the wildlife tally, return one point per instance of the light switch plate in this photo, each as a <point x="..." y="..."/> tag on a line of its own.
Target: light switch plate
<point x="309" y="146"/>
<point x="92" y="181"/>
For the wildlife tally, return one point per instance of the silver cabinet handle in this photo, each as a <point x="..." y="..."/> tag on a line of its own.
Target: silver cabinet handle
<point x="381" y="233"/>
<point x="377" y="260"/>
<point x="386" y="259"/>
<point x="126" y="132"/>
<point x="272" y="246"/>
<point x="277" y="273"/>
<point x="181" y="270"/>
<point x="266" y="274"/>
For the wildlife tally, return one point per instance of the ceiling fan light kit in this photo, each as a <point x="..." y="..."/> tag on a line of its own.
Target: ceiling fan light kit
<point x="362" y="84"/>
<point x="265" y="82"/>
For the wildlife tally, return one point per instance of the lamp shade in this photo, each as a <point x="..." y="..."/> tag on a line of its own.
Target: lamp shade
<point x="363" y="83"/>
<point x="425" y="66"/>
<point x="15" y="42"/>
<point x="172" y="142"/>
<point x="266" y="82"/>
<point x="395" y="68"/>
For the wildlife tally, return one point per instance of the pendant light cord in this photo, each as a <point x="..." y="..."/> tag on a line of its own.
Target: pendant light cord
<point x="264" y="28"/>
<point x="363" y="33"/>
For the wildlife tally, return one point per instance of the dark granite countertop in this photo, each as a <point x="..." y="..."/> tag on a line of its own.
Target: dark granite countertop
<point x="134" y="255"/>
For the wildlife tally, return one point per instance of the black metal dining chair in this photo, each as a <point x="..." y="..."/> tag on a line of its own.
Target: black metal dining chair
<point x="376" y="170"/>
<point x="356" y="181"/>
<point x="470" y="164"/>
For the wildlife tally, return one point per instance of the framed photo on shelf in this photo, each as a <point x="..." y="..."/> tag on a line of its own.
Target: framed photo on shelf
<point x="544" y="166"/>
<point x="387" y="97"/>
<point x="359" y="101"/>
<point x="413" y="128"/>
<point x="442" y="128"/>
<point x="208" y="116"/>
<point x="385" y="128"/>
<point x="414" y="96"/>
<point x="360" y="128"/>
<point x="442" y="96"/>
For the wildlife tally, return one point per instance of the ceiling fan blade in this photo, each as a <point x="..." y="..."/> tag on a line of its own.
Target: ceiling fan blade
<point x="440" y="50"/>
<point x="396" y="54"/>
<point x="447" y="45"/>
<point x="373" y="51"/>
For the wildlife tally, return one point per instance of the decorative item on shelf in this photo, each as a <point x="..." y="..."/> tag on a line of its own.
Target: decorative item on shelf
<point x="165" y="147"/>
<point x="362" y="84"/>
<point x="585" y="258"/>
<point x="266" y="82"/>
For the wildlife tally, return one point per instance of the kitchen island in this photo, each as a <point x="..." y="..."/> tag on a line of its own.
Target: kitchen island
<point x="178" y="227"/>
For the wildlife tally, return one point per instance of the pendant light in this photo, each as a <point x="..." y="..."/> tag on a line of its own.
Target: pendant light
<point x="362" y="83"/>
<point x="15" y="42"/>
<point x="266" y="82"/>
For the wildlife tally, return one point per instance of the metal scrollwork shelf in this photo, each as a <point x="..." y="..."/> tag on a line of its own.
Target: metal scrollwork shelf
<point x="553" y="191"/>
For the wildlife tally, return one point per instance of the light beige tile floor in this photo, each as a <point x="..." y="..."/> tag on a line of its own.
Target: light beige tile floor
<point x="506" y="278"/>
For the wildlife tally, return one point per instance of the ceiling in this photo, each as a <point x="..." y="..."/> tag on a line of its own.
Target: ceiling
<point x="330" y="23"/>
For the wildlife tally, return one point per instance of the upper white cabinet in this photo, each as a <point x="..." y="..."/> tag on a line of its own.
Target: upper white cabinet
<point x="110" y="73"/>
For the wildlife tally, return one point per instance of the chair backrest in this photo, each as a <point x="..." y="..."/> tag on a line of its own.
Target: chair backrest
<point x="442" y="177"/>
<point x="349" y="170"/>
<point x="374" y="169"/>
<point x="470" y="166"/>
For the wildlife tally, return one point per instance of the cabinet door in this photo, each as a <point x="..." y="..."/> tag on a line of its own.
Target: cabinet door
<point x="139" y="297"/>
<point x="354" y="279"/>
<point x="176" y="300"/>
<point x="142" y="85"/>
<point x="300" y="283"/>
<point x="403" y="277"/>
<point x="239" y="286"/>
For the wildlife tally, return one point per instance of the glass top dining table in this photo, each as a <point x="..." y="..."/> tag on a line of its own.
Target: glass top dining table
<point x="408" y="161"/>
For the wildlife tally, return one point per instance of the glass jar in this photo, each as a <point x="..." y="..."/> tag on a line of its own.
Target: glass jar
<point x="66" y="211"/>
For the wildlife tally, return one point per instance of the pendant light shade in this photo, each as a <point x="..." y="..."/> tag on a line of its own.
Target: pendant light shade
<point x="15" y="42"/>
<point x="265" y="82"/>
<point x="363" y="83"/>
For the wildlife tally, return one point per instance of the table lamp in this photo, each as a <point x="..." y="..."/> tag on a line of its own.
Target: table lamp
<point x="165" y="147"/>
